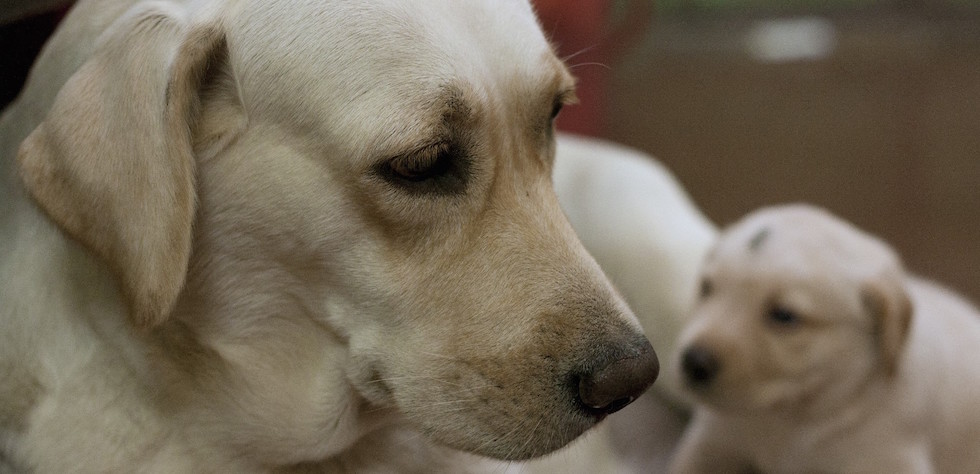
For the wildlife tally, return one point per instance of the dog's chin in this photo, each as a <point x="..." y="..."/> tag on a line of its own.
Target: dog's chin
<point x="481" y="423"/>
<point x="524" y="440"/>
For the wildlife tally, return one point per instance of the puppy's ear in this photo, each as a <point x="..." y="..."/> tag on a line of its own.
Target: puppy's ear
<point x="888" y="303"/>
<point x="112" y="163"/>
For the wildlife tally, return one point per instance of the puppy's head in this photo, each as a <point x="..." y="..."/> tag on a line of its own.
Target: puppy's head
<point x="797" y="309"/>
<point x="373" y="218"/>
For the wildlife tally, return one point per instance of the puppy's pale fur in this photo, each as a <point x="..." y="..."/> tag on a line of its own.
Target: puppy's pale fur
<point x="830" y="357"/>
<point x="250" y="235"/>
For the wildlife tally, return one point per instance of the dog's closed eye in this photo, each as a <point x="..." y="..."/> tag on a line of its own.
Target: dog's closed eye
<point x="421" y="165"/>
<point x="783" y="317"/>
<point x="440" y="169"/>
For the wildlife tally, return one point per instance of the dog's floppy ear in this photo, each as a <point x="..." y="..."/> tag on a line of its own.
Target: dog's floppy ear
<point x="888" y="303"/>
<point x="112" y="163"/>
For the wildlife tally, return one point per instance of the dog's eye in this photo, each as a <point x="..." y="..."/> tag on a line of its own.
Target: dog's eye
<point x="556" y="109"/>
<point x="439" y="169"/>
<point x="421" y="165"/>
<point x="783" y="317"/>
<point x="566" y="96"/>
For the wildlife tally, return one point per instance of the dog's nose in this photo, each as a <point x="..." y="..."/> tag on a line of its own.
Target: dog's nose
<point x="618" y="380"/>
<point x="700" y="365"/>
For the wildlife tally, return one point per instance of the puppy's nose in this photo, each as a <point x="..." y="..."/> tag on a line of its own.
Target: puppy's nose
<point x="618" y="380"/>
<point x="700" y="365"/>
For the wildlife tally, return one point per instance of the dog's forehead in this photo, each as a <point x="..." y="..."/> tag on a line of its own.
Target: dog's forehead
<point x="384" y="64"/>
<point x="800" y="240"/>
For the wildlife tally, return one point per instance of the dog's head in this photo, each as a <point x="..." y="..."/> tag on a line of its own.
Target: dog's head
<point x="348" y="203"/>
<point x="797" y="309"/>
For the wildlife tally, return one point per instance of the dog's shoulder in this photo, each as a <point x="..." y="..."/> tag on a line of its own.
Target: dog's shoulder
<point x="935" y="298"/>
<point x="943" y="363"/>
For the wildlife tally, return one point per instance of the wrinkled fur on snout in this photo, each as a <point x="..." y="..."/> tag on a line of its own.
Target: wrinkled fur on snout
<point x="210" y="261"/>
<point x="830" y="356"/>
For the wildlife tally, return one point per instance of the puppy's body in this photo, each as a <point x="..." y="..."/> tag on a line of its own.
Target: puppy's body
<point x="270" y="235"/>
<point x="827" y="357"/>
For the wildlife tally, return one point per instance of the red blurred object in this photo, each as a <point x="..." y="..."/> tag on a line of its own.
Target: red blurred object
<point x="584" y="34"/>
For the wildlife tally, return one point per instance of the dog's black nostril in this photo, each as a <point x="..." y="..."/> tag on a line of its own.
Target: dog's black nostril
<point x="699" y="365"/>
<point x="616" y="383"/>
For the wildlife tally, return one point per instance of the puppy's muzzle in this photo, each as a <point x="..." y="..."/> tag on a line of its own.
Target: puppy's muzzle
<point x="700" y="366"/>
<point x="618" y="379"/>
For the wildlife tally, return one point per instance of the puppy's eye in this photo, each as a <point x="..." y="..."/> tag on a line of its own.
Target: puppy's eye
<point x="783" y="317"/>
<point x="706" y="288"/>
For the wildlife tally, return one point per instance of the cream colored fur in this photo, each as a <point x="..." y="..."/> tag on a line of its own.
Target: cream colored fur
<point x="832" y="357"/>
<point x="215" y="258"/>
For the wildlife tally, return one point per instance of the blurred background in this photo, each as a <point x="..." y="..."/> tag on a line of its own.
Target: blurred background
<point x="870" y="108"/>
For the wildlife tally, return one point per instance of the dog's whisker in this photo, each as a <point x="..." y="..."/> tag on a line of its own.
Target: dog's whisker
<point x="530" y="434"/>
<point x="489" y="442"/>
<point x="579" y="52"/>
<point x="522" y="433"/>
<point x="603" y="65"/>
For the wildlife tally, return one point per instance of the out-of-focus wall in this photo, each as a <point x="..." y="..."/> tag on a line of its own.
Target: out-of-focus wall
<point x="874" y="115"/>
<point x="884" y="131"/>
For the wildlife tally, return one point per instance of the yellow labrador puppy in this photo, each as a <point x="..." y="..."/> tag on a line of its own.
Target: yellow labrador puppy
<point x="812" y="350"/>
<point x="259" y="235"/>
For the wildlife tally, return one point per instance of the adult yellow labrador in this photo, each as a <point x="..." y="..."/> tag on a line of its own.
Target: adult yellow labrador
<point x="259" y="235"/>
<point x="812" y="350"/>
